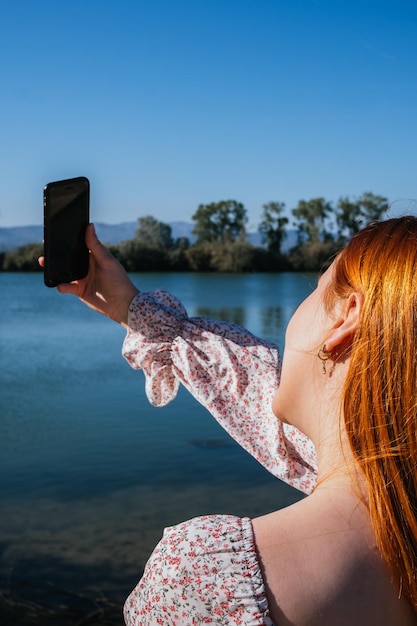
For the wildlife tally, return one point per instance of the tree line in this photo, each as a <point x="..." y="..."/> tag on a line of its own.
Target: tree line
<point x="221" y="244"/>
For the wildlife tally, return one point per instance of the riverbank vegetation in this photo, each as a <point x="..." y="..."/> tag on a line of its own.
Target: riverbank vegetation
<point x="221" y="243"/>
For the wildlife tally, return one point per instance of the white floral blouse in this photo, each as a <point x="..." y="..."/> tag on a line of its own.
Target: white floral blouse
<point x="205" y="570"/>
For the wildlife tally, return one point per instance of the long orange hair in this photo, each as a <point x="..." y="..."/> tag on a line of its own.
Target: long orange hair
<point x="380" y="395"/>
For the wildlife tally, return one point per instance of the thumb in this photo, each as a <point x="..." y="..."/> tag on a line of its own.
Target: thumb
<point x="99" y="252"/>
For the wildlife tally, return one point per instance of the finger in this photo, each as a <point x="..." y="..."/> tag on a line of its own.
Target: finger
<point x="95" y="246"/>
<point x="41" y="261"/>
<point x="72" y="288"/>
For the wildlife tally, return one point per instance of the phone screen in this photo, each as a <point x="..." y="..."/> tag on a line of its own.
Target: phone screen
<point x="66" y="216"/>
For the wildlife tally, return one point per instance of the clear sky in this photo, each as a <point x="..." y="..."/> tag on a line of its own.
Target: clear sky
<point x="166" y="104"/>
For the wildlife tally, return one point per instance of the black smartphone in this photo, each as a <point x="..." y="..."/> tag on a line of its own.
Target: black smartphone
<point x="66" y="216"/>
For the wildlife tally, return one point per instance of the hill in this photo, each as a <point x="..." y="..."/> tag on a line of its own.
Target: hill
<point x="13" y="237"/>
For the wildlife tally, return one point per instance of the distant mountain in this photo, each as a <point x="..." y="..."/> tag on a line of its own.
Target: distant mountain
<point x="15" y="236"/>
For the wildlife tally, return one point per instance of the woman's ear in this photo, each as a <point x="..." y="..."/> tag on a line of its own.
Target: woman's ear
<point x="340" y="337"/>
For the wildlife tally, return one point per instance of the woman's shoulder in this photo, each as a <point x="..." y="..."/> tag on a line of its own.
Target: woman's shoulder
<point x="321" y="566"/>
<point x="206" y="567"/>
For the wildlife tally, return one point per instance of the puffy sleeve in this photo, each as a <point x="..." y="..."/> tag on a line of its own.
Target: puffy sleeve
<point x="228" y="370"/>
<point x="203" y="571"/>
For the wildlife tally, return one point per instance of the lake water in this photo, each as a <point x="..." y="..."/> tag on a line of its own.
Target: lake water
<point x="90" y="473"/>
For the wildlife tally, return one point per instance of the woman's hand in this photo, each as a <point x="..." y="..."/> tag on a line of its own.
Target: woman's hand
<point x="107" y="287"/>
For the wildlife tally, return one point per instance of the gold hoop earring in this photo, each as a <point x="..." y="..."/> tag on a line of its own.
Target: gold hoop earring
<point x="324" y="355"/>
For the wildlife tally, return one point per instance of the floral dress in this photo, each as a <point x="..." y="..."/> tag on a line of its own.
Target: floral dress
<point x="205" y="570"/>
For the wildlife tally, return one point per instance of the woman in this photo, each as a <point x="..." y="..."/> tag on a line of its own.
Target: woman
<point x="346" y="554"/>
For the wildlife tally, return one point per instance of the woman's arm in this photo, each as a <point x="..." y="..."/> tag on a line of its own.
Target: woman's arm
<point x="228" y="370"/>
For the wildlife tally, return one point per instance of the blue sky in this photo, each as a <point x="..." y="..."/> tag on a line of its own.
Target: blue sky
<point x="166" y="104"/>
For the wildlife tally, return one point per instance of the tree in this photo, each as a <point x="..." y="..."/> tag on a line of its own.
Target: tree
<point x="233" y="257"/>
<point x="313" y="256"/>
<point x="220" y="222"/>
<point x="348" y="218"/>
<point x="182" y="243"/>
<point x="351" y="216"/>
<point x="151" y="232"/>
<point x="238" y="256"/>
<point x="272" y="226"/>
<point x="372" y="207"/>
<point x="312" y="216"/>
<point x="139" y="257"/>
<point x="23" y="259"/>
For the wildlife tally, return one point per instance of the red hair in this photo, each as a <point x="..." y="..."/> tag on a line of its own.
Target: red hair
<point x="380" y="394"/>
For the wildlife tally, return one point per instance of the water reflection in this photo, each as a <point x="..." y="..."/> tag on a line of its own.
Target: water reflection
<point x="272" y="321"/>
<point x="233" y="314"/>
